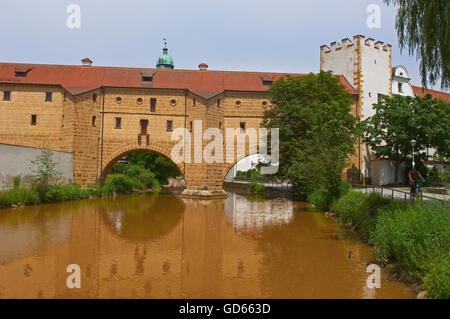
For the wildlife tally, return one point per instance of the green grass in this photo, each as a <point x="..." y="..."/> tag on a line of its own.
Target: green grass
<point x="414" y="237"/>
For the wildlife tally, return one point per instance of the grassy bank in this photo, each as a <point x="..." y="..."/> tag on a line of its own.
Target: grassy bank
<point x="413" y="238"/>
<point x="39" y="194"/>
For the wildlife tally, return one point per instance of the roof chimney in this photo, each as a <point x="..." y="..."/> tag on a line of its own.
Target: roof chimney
<point x="86" y="62"/>
<point x="203" y="66"/>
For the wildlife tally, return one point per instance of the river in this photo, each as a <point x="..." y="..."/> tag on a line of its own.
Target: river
<point x="162" y="246"/>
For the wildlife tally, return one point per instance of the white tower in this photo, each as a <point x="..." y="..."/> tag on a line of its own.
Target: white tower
<point x="367" y="65"/>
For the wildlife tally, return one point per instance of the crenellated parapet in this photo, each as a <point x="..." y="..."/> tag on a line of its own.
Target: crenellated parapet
<point x="347" y="43"/>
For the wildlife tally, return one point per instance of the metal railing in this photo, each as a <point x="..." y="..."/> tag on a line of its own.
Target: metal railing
<point x="395" y="193"/>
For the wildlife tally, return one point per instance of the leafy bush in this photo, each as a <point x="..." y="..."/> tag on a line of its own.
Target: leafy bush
<point x="351" y="207"/>
<point x="412" y="237"/>
<point x="321" y="197"/>
<point x="256" y="187"/>
<point x="148" y="179"/>
<point x="437" y="281"/>
<point x="119" y="168"/>
<point x="121" y="184"/>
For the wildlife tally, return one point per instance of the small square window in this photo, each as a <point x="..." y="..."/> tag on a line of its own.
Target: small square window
<point x="48" y="97"/>
<point x="7" y="96"/>
<point x="242" y="126"/>
<point x="118" y="122"/>
<point x="169" y="126"/>
<point x="94" y="118"/>
<point x="33" y="119"/>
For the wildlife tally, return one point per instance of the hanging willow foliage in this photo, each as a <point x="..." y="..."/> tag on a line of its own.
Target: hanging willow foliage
<point x="422" y="27"/>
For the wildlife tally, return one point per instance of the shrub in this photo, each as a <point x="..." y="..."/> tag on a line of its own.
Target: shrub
<point x="351" y="207"/>
<point x="412" y="237"/>
<point x="24" y="196"/>
<point x="121" y="184"/>
<point x="119" y="168"/>
<point x="16" y="181"/>
<point x="321" y="198"/>
<point x="437" y="281"/>
<point x="148" y="179"/>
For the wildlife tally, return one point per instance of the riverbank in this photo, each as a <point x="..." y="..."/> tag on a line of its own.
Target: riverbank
<point x="411" y="239"/>
<point x="20" y="196"/>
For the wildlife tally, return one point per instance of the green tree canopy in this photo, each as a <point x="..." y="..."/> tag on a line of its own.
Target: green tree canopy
<point x="423" y="27"/>
<point x="160" y="165"/>
<point x="316" y="129"/>
<point x="400" y="119"/>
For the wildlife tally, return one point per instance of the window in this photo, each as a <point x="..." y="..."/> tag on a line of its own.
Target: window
<point x="48" y="97"/>
<point x="400" y="87"/>
<point x="173" y="102"/>
<point x="190" y="126"/>
<point x="94" y="98"/>
<point x="21" y="74"/>
<point x="7" y="96"/>
<point x="218" y="103"/>
<point x="147" y="78"/>
<point x="152" y="105"/>
<point x="118" y="100"/>
<point x="380" y="98"/>
<point x="93" y="120"/>
<point x="194" y="102"/>
<point x="169" y="126"/>
<point x="33" y="119"/>
<point x="220" y="125"/>
<point x="242" y="125"/>
<point x="118" y="122"/>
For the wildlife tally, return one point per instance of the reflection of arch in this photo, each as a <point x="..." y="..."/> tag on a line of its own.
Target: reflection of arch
<point x="142" y="217"/>
<point x="128" y="148"/>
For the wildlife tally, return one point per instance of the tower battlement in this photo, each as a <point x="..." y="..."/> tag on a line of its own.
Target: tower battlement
<point x="346" y="43"/>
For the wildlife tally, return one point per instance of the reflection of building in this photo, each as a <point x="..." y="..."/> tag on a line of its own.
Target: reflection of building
<point x="252" y="216"/>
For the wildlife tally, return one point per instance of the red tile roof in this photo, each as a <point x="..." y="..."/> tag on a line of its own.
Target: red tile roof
<point x="435" y="94"/>
<point x="80" y="79"/>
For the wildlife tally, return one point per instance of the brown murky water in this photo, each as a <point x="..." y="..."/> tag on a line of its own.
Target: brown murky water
<point x="161" y="246"/>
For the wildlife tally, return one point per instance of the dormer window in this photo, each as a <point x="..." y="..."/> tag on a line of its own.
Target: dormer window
<point x="147" y="76"/>
<point x="267" y="80"/>
<point x="21" y="71"/>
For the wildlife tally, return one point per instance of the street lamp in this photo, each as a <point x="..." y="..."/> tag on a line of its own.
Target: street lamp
<point x="413" y="143"/>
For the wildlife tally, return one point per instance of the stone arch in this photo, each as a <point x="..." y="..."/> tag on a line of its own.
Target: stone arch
<point x="124" y="149"/>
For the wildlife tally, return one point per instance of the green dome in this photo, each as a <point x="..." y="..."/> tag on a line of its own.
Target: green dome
<point x="164" y="61"/>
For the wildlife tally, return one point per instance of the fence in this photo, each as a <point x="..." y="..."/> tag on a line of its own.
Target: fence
<point x="394" y="193"/>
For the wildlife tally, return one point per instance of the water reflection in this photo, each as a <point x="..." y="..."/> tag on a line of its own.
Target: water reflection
<point x="251" y="214"/>
<point x="161" y="246"/>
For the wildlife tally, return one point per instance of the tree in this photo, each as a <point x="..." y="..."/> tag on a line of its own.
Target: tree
<point x="422" y="26"/>
<point x="43" y="169"/>
<point x="316" y="128"/>
<point x="400" y="119"/>
<point x="160" y="165"/>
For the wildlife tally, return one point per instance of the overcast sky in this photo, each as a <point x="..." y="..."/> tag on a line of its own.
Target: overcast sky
<point x="245" y="35"/>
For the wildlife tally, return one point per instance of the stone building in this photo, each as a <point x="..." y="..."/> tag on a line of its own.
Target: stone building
<point x="91" y="116"/>
<point x="367" y="64"/>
